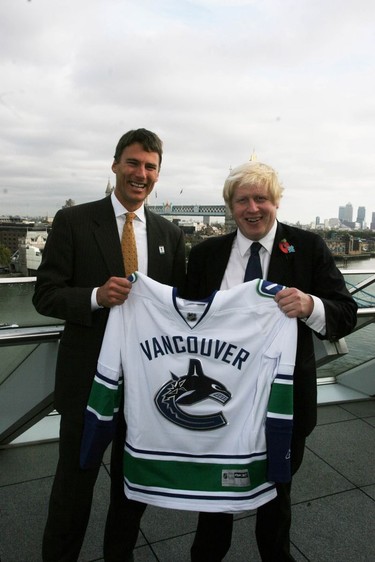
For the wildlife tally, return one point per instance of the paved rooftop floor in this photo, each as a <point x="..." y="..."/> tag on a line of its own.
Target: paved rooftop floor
<point x="333" y="501"/>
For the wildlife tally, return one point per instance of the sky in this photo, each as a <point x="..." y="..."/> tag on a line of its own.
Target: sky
<point x="291" y="80"/>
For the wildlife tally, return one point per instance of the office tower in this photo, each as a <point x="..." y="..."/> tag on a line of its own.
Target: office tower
<point x="361" y="215"/>
<point x="346" y="215"/>
<point x="349" y="212"/>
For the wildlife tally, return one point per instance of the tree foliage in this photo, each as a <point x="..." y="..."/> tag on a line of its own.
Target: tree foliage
<point x="5" y="255"/>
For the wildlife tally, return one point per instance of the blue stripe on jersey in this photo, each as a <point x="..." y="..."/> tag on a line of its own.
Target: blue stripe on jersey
<point x="269" y="289"/>
<point x="96" y="437"/>
<point x="281" y="377"/>
<point x="186" y="455"/>
<point x="279" y="437"/>
<point x="100" y="379"/>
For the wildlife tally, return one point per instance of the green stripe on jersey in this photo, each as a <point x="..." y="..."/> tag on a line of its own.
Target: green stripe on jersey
<point x="103" y="399"/>
<point x="281" y="399"/>
<point x="190" y="476"/>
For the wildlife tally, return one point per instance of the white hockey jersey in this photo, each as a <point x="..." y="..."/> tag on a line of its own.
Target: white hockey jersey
<point x="208" y="396"/>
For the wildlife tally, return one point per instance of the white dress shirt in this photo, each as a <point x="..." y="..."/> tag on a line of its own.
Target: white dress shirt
<point x="140" y="233"/>
<point x="235" y="272"/>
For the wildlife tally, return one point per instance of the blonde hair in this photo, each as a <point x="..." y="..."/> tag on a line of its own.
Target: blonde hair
<point x="253" y="173"/>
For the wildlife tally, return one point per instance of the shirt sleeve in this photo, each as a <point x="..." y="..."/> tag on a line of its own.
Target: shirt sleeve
<point x="317" y="319"/>
<point x="94" y="302"/>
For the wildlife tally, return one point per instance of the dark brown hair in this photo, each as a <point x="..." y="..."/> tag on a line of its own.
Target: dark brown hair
<point x="149" y="141"/>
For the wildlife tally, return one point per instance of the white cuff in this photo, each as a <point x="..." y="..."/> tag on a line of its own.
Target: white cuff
<point x="317" y="319"/>
<point x="94" y="302"/>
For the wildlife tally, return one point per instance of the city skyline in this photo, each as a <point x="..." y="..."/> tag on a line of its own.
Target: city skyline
<point x="156" y="198"/>
<point x="367" y="218"/>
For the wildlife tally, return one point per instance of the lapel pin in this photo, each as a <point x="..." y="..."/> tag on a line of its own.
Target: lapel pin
<point x="161" y="250"/>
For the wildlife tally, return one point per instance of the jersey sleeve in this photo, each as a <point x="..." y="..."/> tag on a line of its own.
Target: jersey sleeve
<point x="279" y="419"/>
<point x="105" y="397"/>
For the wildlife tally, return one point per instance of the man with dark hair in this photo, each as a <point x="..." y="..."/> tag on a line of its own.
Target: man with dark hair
<point x="82" y="275"/>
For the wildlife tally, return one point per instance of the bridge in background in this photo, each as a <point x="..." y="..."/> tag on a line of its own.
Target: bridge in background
<point x="205" y="211"/>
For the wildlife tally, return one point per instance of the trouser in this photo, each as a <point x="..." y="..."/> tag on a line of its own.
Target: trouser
<point x="71" y="498"/>
<point x="124" y="516"/>
<point x="214" y="532"/>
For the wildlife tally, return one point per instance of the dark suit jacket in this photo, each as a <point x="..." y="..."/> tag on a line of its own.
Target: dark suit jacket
<point x="310" y="268"/>
<point x="82" y="251"/>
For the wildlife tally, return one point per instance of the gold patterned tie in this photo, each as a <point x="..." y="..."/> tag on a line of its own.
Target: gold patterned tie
<point x="128" y="245"/>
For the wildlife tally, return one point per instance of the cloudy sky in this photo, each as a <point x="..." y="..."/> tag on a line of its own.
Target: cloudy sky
<point x="292" y="80"/>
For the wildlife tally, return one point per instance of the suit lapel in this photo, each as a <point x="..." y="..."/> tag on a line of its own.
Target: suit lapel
<point x="157" y="245"/>
<point x="153" y="243"/>
<point x="107" y="238"/>
<point x="217" y="260"/>
<point x="281" y="264"/>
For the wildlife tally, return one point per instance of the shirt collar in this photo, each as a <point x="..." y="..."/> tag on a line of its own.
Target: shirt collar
<point x="120" y="210"/>
<point x="267" y="241"/>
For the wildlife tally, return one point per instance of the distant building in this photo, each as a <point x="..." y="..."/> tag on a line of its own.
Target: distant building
<point x="361" y="216"/>
<point x="349" y="212"/>
<point x="28" y="257"/>
<point x="108" y="189"/>
<point x="346" y="215"/>
<point x="333" y="223"/>
<point x="12" y="231"/>
<point x="372" y="225"/>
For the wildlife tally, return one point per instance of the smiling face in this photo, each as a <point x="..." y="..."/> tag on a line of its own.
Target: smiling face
<point x="136" y="171"/>
<point x="253" y="210"/>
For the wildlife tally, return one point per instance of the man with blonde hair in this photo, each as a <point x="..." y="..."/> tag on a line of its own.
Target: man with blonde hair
<point x="316" y="296"/>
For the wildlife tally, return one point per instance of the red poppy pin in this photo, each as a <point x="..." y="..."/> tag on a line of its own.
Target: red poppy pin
<point x="285" y="247"/>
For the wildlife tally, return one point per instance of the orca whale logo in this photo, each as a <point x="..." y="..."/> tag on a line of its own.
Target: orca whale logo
<point x="187" y="390"/>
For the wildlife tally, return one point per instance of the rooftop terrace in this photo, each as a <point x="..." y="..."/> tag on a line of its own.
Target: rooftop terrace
<point x="333" y="501"/>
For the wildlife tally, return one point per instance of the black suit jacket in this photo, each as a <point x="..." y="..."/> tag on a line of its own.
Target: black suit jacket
<point x="82" y="251"/>
<point x="310" y="268"/>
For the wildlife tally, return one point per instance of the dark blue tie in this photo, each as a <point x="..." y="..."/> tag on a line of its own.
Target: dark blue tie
<point x="253" y="268"/>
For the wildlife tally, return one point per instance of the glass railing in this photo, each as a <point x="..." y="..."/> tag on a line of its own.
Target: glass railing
<point x="16" y="307"/>
<point x="29" y="343"/>
<point x="22" y="328"/>
<point x="28" y="351"/>
<point x="361" y="342"/>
